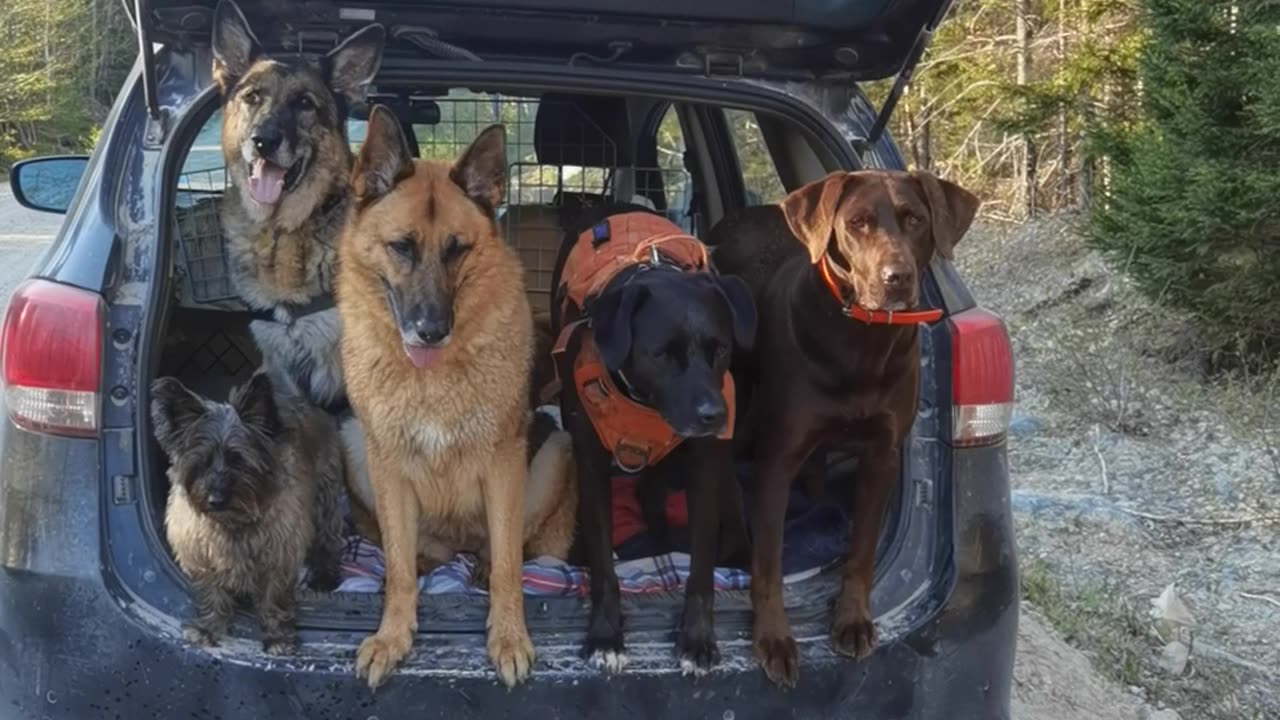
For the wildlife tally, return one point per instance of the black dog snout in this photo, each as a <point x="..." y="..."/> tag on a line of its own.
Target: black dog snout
<point x="430" y="326"/>
<point x="267" y="139"/>
<point x="711" y="412"/>
<point x="217" y="499"/>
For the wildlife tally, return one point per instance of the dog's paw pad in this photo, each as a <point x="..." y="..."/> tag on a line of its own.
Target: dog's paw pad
<point x="779" y="659"/>
<point x="610" y="661"/>
<point x="854" y="638"/>
<point x="698" y="658"/>
<point x="197" y="635"/>
<point x="378" y="656"/>
<point x="512" y="657"/>
<point x="280" y="646"/>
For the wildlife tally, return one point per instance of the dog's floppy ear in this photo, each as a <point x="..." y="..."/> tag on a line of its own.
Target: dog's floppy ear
<point x="174" y="408"/>
<point x="350" y="67"/>
<point x="811" y="211"/>
<point x="384" y="159"/>
<point x="255" y="403"/>
<point x="612" y="313"/>
<point x="234" y="45"/>
<point x="742" y="307"/>
<point x="951" y="211"/>
<point x="481" y="172"/>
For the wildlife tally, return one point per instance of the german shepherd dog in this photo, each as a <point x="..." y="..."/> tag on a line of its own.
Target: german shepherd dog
<point x="437" y="344"/>
<point x="287" y="158"/>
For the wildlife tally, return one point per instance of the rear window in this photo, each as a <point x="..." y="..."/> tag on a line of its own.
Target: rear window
<point x="759" y="175"/>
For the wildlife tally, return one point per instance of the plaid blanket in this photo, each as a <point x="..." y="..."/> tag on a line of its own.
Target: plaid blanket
<point x="362" y="571"/>
<point x="816" y="538"/>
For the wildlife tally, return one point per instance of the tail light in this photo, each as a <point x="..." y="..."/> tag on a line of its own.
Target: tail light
<point x="51" y="354"/>
<point x="981" y="378"/>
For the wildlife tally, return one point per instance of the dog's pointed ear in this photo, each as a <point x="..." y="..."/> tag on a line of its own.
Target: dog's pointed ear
<point x="255" y="403"/>
<point x="234" y="45"/>
<point x="951" y="211"/>
<point x="811" y="211"/>
<point x="481" y="172"/>
<point x="174" y="408"/>
<point x="384" y="160"/>
<point x="350" y="67"/>
<point x="741" y="306"/>
<point x="612" y="313"/>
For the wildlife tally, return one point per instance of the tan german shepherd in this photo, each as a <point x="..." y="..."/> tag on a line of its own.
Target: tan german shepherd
<point x="437" y="344"/>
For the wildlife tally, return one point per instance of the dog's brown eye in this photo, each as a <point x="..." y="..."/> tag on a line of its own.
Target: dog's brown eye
<point x="453" y="249"/>
<point x="859" y="224"/>
<point x="306" y="103"/>
<point x="403" y="248"/>
<point x="912" y="221"/>
<point x="253" y="97"/>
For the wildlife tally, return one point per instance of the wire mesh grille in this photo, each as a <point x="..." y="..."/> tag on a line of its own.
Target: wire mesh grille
<point x="579" y="167"/>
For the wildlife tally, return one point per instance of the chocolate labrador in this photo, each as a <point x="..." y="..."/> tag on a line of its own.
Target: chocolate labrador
<point x="645" y="334"/>
<point x="835" y="271"/>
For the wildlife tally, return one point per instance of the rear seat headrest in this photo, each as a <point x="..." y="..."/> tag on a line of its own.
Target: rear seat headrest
<point x="583" y="130"/>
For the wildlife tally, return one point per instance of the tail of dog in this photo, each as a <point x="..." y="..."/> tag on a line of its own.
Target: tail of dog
<point x="551" y="498"/>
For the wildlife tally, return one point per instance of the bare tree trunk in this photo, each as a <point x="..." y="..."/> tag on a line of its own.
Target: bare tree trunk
<point x="1027" y="180"/>
<point x="924" y="134"/>
<point x="909" y="120"/>
<point x="1064" y="141"/>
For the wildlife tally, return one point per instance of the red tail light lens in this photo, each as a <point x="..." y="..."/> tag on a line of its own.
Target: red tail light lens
<point x="981" y="378"/>
<point x="51" y="350"/>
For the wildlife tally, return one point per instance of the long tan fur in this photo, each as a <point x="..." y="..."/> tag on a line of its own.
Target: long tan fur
<point x="445" y="442"/>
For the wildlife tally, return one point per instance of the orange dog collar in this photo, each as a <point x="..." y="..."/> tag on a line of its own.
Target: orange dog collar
<point x="874" y="317"/>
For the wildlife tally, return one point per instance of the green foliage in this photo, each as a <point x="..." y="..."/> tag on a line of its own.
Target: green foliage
<point x="1191" y="213"/>
<point x="61" y="64"/>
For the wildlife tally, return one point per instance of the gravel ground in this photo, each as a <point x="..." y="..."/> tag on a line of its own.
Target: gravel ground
<point x="24" y="234"/>
<point x="1062" y="509"/>
<point x="1133" y="471"/>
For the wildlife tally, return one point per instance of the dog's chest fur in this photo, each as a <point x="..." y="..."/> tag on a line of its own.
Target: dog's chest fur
<point x="242" y="559"/>
<point x="442" y="424"/>
<point x="289" y="257"/>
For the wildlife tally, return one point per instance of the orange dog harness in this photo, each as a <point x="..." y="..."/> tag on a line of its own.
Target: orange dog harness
<point x="636" y="434"/>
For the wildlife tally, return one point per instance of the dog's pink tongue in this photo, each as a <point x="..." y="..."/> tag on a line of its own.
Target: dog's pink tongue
<point x="266" y="182"/>
<point x="422" y="357"/>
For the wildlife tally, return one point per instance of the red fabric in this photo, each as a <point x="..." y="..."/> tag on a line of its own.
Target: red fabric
<point x="628" y="521"/>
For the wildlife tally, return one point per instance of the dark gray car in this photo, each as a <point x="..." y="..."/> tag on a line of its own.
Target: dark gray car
<point x="705" y="105"/>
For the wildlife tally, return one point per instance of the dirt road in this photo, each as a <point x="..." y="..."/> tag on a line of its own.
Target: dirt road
<point x="1053" y="680"/>
<point x="24" y="235"/>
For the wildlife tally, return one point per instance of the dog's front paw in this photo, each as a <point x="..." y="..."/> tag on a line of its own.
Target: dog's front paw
<point x="778" y="658"/>
<point x="698" y="653"/>
<point x="199" y="635"/>
<point x="606" y="653"/>
<point x="284" y="645"/>
<point x="512" y="655"/>
<point x="854" y="636"/>
<point x="379" y="654"/>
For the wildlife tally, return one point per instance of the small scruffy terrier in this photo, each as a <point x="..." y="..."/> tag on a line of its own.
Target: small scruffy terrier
<point x="254" y="494"/>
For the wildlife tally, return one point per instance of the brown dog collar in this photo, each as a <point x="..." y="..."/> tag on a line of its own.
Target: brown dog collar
<point x="874" y="317"/>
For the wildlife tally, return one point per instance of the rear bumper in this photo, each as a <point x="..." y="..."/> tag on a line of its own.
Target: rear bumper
<point x="70" y="648"/>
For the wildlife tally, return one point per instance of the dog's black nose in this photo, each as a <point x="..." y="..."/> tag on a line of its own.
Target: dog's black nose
<point x="217" y="500"/>
<point x="711" y="412"/>
<point x="897" y="276"/>
<point x="266" y="140"/>
<point x="431" y="331"/>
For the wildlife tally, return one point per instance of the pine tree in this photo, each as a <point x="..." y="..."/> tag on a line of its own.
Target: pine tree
<point x="1193" y="214"/>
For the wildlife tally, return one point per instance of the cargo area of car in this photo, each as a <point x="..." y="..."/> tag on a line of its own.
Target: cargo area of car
<point x="565" y="151"/>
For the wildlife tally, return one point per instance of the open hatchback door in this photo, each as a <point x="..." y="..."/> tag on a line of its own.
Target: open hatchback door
<point x="802" y="40"/>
